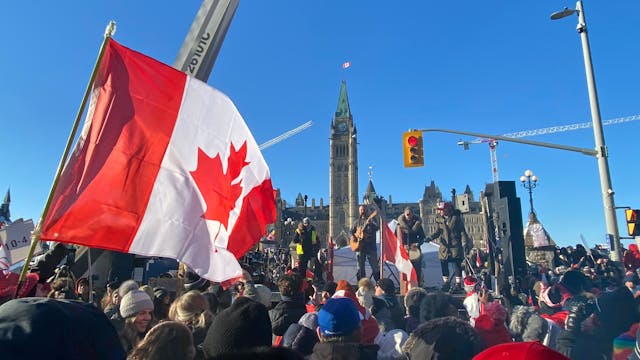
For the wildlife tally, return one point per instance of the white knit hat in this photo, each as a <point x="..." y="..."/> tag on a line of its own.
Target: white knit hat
<point x="133" y="302"/>
<point x="127" y="286"/>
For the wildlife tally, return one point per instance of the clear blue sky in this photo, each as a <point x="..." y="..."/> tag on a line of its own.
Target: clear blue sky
<point x="489" y="67"/>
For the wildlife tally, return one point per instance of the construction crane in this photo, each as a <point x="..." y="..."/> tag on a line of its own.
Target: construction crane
<point x="548" y="130"/>
<point x="285" y="135"/>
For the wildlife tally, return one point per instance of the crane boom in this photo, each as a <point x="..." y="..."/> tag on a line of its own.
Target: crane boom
<point x="285" y="135"/>
<point x="548" y="130"/>
<point x="570" y="127"/>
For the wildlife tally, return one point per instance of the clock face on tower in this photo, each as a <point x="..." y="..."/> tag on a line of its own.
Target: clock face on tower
<point x="342" y="127"/>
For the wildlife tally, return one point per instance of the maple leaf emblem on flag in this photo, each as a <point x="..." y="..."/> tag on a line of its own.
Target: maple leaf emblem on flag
<point x="220" y="190"/>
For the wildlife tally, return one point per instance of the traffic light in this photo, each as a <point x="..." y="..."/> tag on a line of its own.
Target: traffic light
<point x="632" y="222"/>
<point x="412" y="147"/>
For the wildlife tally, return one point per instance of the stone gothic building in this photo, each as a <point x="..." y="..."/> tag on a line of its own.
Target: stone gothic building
<point x="472" y="214"/>
<point x="343" y="170"/>
<point x="335" y="219"/>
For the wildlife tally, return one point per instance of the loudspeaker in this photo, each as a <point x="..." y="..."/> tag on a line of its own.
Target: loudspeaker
<point x="121" y="267"/>
<point x="507" y="218"/>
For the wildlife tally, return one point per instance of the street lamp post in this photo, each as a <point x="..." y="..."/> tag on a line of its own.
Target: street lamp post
<point x="305" y="205"/>
<point x="529" y="182"/>
<point x="601" y="148"/>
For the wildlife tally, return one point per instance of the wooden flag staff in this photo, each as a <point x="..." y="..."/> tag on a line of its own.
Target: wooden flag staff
<point x="35" y="237"/>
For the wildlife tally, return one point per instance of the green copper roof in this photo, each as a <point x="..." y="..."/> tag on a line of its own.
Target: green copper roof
<point x="343" y="102"/>
<point x="370" y="190"/>
<point x="370" y="194"/>
<point x="5" y="213"/>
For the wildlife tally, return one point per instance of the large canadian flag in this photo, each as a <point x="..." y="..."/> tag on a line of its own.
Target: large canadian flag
<point x="165" y="166"/>
<point x="394" y="252"/>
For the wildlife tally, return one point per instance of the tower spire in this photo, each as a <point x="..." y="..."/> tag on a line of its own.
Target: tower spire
<point x="343" y="110"/>
<point x="370" y="194"/>
<point x="343" y="171"/>
<point x="5" y="214"/>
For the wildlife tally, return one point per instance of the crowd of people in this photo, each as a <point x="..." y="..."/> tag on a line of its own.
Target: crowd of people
<point x="580" y="306"/>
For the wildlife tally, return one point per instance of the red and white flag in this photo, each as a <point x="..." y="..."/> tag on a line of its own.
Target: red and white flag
<point x="165" y="166"/>
<point x="346" y="64"/>
<point x="5" y="259"/>
<point x="394" y="252"/>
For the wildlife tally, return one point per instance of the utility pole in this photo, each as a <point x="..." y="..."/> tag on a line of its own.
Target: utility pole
<point x="200" y="50"/>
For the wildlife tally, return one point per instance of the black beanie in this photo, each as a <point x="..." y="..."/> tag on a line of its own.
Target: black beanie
<point x="193" y="281"/>
<point x="412" y="301"/>
<point x="573" y="281"/>
<point x="617" y="310"/>
<point x="42" y="328"/>
<point x="444" y="338"/>
<point x="242" y="326"/>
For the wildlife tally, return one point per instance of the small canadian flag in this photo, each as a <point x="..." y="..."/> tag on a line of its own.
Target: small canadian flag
<point x="346" y="64"/>
<point x="5" y="259"/>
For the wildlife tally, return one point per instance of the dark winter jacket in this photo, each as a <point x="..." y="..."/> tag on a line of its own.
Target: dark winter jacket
<point x="615" y="312"/>
<point x="380" y="310"/>
<point x="396" y="311"/>
<point x="369" y="229"/>
<point x="412" y="231"/>
<point x="199" y="335"/>
<point x="47" y="264"/>
<point x="287" y="312"/>
<point x="344" y="351"/>
<point x="452" y="236"/>
<point x="116" y="320"/>
<point x="308" y="237"/>
<point x="300" y="338"/>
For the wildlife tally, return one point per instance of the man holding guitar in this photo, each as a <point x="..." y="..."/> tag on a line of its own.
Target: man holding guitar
<point x="363" y="241"/>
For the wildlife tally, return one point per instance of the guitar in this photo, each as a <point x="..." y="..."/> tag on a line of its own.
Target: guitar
<point x="354" y="242"/>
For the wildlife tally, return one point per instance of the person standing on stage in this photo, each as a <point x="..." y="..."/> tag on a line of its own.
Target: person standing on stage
<point x="412" y="237"/>
<point x="454" y="243"/>
<point x="367" y="249"/>
<point x="307" y="236"/>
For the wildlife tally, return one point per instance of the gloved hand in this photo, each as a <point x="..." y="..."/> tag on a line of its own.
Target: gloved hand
<point x="580" y="308"/>
<point x="468" y="250"/>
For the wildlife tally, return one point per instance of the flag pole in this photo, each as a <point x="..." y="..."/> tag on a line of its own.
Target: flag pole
<point x="382" y="223"/>
<point x="35" y="236"/>
<point x="90" y="275"/>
